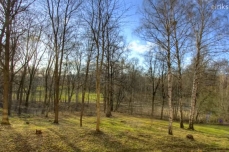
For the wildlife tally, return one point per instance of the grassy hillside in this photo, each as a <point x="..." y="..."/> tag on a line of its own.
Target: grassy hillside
<point x="118" y="133"/>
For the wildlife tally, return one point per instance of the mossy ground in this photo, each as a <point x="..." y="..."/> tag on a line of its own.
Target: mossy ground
<point x="118" y="133"/>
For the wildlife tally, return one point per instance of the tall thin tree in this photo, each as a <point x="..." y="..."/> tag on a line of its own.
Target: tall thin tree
<point x="205" y="27"/>
<point x="60" y="13"/>
<point x="9" y="10"/>
<point x="157" y="27"/>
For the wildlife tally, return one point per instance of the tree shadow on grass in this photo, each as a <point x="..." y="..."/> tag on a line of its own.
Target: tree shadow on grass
<point x="22" y="144"/>
<point x="128" y="142"/>
<point x="189" y="145"/>
<point x="66" y="140"/>
<point x="113" y="143"/>
<point x="15" y="141"/>
<point x="167" y="143"/>
<point x="105" y="140"/>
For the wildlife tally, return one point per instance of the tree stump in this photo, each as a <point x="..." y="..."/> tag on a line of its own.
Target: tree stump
<point x="189" y="136"/>
<point x="38" y="132"/>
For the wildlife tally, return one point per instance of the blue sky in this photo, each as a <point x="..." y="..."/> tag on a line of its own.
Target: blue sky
<point x="133" y="18"/>
<point x="135" y="44"/>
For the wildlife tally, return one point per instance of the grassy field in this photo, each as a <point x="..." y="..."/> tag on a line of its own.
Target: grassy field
<point x="118" y="133"/>
<point x="64" y="97"/>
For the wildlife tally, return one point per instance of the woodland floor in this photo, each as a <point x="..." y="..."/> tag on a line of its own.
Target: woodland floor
<point x="121" y="133"/>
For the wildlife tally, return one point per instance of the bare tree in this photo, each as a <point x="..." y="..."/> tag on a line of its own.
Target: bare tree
<point x="113" y="54"/>
<point x="48" y="83"/>
<point x="33" y="37"/>
<point x="152" y="63"/>
<point x="60" y="13"/>
<point x="14" y="59"/>
<point x="89" y="54"/>
<point x="102" y="16"/>
<point x="8" y="10"/>
<point x="132" y="83"/>
<point x="180" y="40"/>
<point x="157" y="27"/>
<point x="26" y="56"/>
<point x="205" y="28"/>
<point x="163" y="90"/>
<point x="121" y="81"/>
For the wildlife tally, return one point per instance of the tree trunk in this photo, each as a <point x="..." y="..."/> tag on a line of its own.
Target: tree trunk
<point x="84" y="90"/>
<point x="169" y="76"/>
<point x="181" y="113"/>
<point x="56" y="92"/>
<point x="180" y="98"/>
<point x="130" y="107"/>
<point x="163" y="90"/>
<point x="99" y="65"/>
<point x="47" y="86"/>
<point x="153" y="99"/>
<point x="162" y="107"/>
<point x="6" y="69"/>
<point x="193" y="102"/>
<point x="105" y="99"/>
<point x="97" y="95"/>
<point x="82" y="107"/>
<point x="5" y="119"/>
<point x="194" y="87"/>
<point x="11" y="78"/>
<point x="108" y="91"/>
<point x="46" y="93"/>
<point x="180" y="87"/>
<point x="108" y="106"/>
<point x="28" y="93"/>
<point x="20" y="95"/>
<point x="170" y="131"/>
<point x="10" y="94"/>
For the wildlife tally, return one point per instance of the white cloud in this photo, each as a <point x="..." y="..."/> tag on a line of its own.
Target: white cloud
<point x="137" y="47"/>
<point x="187" y="61"/>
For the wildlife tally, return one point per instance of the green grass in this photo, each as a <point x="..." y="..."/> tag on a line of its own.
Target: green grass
<point x="88" y="96"/>
<point x="118" y="133"/>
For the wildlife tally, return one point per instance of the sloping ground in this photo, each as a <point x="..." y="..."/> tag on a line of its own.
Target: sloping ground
<point x="118" y="133"/>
